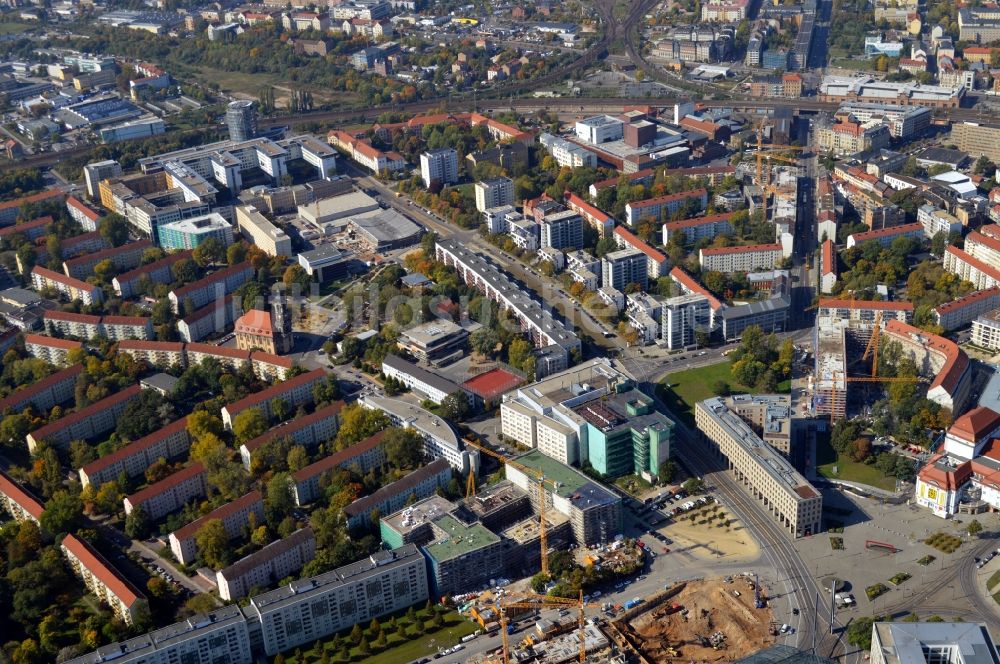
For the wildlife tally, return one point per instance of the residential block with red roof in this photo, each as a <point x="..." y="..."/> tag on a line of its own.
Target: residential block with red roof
<point x="52" y="350"/>
<point x="44" y="394"/>
<point x="169" y="494"/>
<point x="886" y="236"/>
<point x="827" y="267"/>
<point x="74" y="289"/>
<point x="656" y="262"/>
<point x="234" y="516"/>
<point x="125" y="257"/>
<point x="367" y="454"/>
<point x="961" y="312"/>
<point x="104" y="581"/>
<point x="665" y="206"/>
<point x="17" y="502"/>
<point x="294" y="392"/>
<point x="980" y="273"/>
<point x="740" y="259"/>
<point x="948" y="365"/>
<point x="86" y="423"/>
<point x="169" y="442"/>
<point x="308" y="431"/>
<point x="11" y="209"/>
<point x="698" y="228"/>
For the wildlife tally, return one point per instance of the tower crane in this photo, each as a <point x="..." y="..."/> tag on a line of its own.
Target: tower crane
<point x="530" y="472"/>
<point x="536" y="601"/>
<point x="873" y="342"/>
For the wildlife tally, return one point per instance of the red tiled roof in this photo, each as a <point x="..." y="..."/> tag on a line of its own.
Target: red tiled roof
<point x="966" y="300"/>
<point x="97" y="256"/>
<point x="294" y="425"/>
<point x="71" y="242"/>
<point x="698" y="171"/>
<point x="13" y="490"/>
<point x="993" y="230"/>
<point x="275" y="390"/>
<point x="679" y="196"/>
<point x="955" y="359"/>
<point x="103" y="570"/>
<point x="71" y="317"/>
<point x="129" y="392"/>
<point x="338" y="458"/>
<point x="139" y="344"/>
<point x="28" y="225"/>
<point x="61" y="278"/>
<point x="979" y="238"/>
<point x="134" y="447"/>
<point x="42" y="340"/>
<point x="125" y="320"/>
<point x="630" y="237"/>
<point x="255" y="322"/>
<point x="211" y="279"/>
<point x="586" y="208"/>
<point x="699" y="125"/>
<point x="698" y="221"/>
<point x="166" y="261"/>
<point x="174" y="479"/>
<point x="34" y="198"/>
<point x="267" y="358"/>
<point x="220" y="513"/>
<point x="949" y="480"/>
<point x="830" y="302"/>
<point x="35" y="388"/>
<point x="741" y="250"/>
<point x="976" y="424"/>
<point x="828" y="261"/>
<point x="83" y="207"/>
<point x="219" y="351"/>
<point x="982" y="266"/>
<point x="689" y="282"/>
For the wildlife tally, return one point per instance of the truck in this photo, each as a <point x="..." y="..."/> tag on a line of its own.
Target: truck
<point x="674" y="609"/>
<point x="632" y="603"/>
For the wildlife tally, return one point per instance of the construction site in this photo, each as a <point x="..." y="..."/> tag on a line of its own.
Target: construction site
<point x="710" y="620"/>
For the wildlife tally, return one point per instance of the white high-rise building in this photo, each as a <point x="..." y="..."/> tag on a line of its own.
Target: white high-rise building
<point x="623" y="267"/>
<point x="439" y="166"/>
<point x="682" y="317"/>
<point x="494" y="193"/>
<point x="97" y="171"/>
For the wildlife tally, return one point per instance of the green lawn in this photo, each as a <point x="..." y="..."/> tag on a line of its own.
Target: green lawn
<point x="400" y="650"/>
<point x="689" y="387"/>
<point x="12" y="28"/>
<point x="993" y="581"/>
<point x="849" y="471"/>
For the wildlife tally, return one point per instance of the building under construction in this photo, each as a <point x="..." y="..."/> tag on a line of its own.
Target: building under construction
<point x="830" y="376"/>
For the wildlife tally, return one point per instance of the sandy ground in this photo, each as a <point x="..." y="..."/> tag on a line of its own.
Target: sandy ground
<point x="712" y="609"/>
<point x="711" y="541"/>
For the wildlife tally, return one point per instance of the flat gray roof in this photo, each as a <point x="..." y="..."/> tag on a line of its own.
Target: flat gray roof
<point x="962" y="643"/>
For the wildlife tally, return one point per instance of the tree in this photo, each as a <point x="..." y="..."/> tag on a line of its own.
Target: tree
<point x="201" y="422"/>
<point x="356" y="634"/>
<point x="137" y="523"/>
<point x="249" y="424"/>
<point x="62" y="512"/>
<point x="975" y="528"/>
<point x="296" y="275"/>
<point x="861" y="449"/>
<point x="157" y="587"/>
<point x="667" y="470"/>
<point x="278" y="501"/>
<point x="114" y="229"/>
<point x="184" y="271"/>
<point x="364" y="648"/>
<point x="236" y="253"/>
<point x="209" y="252"/>
<point x="357" y="423"/>
<point x="105" y="271"/>
<point x="404" y="448"/>
<point x="298" y="458"/>
<point x="456" y="406"/>
<point x="518" y="352"/>
<point x="212" y="543"/>
<point x="693" y="485"/>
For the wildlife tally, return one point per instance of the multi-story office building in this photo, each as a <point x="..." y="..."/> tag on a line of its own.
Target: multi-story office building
<point x="937" y="221"/>
<point x="86" y="423"/>
<point x="568" y="154"/>
<point x="169" y="494"/>
<point x="740" y="259"/>
<point x="52" y="350"/>
<point x="626" y="435"/>
<point x="257" y="229"/>
<point x="308" y="431"/>
<point x="979" y="24"/>
<point x="986" y="330"/>
<point x="44" y="394"/>
<point x="600" y="129"/>
<point x="544" y="329"/>
<point x="440" y="439"/>
<point x="493" y="193"/>
<point x="977" y="139"/>
<point x="941" y="642"/>
<point x="278" y="560"/>
<point x="241" y="120"/>
<point x="132" y="460"/>
<point x="663" y="207"/>
<point x="791" y="499"/>
<point x="96" y="171"/>
<point x="125" y="257"/>
<point x="594" y="513"/>
<point x="367" y="454"/>
<point x="129" y="284"/>
<point x="105" y="581"/>
<point x="623" y="267"/>
<point x="966" y="309"/>
<point x="17" y="502"/>
<point x="422" y="483"/>
<point x="885" y="236"/>
<point x="294" y="392"/>
<point x="234" y="515"/>
<point x="213" y="287"/>
<point x="434" y="341"/>
<point x="73" y="289"/>
<point x="561" y="230"/>
<point x="189" y="233"/>
<point x="904" y="122"/>
<point x="682" y="318"/>
<point x="440" y="166"/>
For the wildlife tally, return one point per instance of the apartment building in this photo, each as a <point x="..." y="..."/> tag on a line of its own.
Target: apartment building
<point x="384" y="583"/>
<point x="161" y="354"/>
<point x="561" y="230"/>
<point x="421" y="483"/>
<point x="126" y="257"/>
<point x="656" y="262"/>
<point x="493" y="193"/>
<point x="434" y="387"/>
<point x="234" y="515"/>
<point x="662" y="207"/>
<point x="256" y="228"/>
<point x="977" y="139"/>
<point x="308" y="431"/>
<point x="864" y="311"/>
<point x="966" y="309"/>
<point x="73" y="289"/>
<point x="567" y="154"/>
<point x="439" y="166"/>
<point x="440" y="439"/>
<point x="276" y="561"/>
<point x="30" y="230"/>
<point x="937" y="221"/>
<point x="213" y="287"/>
<point x="43" y="395"/>
<point x="170" y="442"/>
<point x="541" y="326"/>
<point x="682" y="318"/>
<point x="827" y="267"/>
<point x="698" y="228"/>
<point x="848" y="138"/>
<point x="17" y="502"/>
<point x="214" y="317"/>
<point x="86" y="423"/>
<point x="367" y="454"/>
<point x="623" y="267"/>
<point x="169" y="494"/>
<point x="885" y="236"/>
<point x="791" y="499"/>
<point x="133" y="282"/>
<point x="986" y="330"/>
<point x="598" y="219"/>
<point x="981" y="274"/>
<point x="82" y="214"/>
<point x="104" y="581"/>
<point x="84" y="326"/>
<point x="362" y="152"/>
<point x="294" y="392"/>
<point x="740" y="259"/>
<point x="52" y="350"/>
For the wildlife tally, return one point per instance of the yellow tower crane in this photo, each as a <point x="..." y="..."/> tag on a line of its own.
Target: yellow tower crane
<point x="536" y="601"/>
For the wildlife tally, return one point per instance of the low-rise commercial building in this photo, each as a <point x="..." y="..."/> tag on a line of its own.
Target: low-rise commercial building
<point x="868" y="89"/>
<point x="947" y="642"/>
<point x="104" y="581"/>
<point x="432" y="386"/>
<point x="433" y="341"/>
<point x="86" y="423"/>
<point x="276" y="561"/>
<point x="790" y="498"/>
